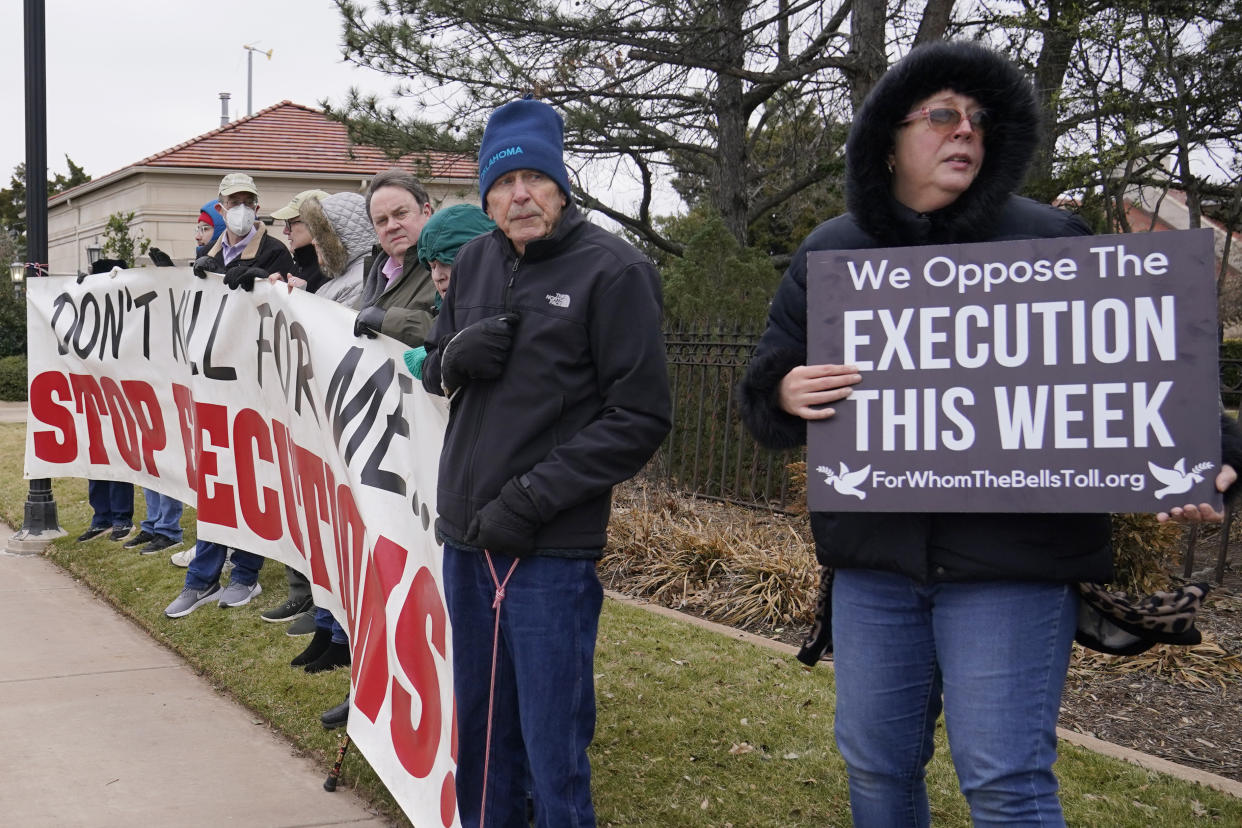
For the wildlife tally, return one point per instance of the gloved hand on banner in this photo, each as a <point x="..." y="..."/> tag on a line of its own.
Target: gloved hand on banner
<point x="369" y="322"/>
<point x="478" y="351"/>
<point x="201" y="264"/>
<point x="508" y="524"/>
<point x="243" y="276"/>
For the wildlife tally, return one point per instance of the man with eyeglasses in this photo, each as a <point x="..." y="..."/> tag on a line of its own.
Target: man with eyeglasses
<point x="245" y="251"/>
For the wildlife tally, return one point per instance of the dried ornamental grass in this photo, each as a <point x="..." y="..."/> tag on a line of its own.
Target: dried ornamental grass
<point x="1204" y="666"/>
<point x="736" y="566"/>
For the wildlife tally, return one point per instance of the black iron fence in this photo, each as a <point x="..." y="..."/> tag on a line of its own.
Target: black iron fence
<point x="709" y="452"/>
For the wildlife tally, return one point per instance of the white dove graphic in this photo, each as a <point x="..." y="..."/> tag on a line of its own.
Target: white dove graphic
<point x="846" y="481"/>
<point x="1177" y="480"/>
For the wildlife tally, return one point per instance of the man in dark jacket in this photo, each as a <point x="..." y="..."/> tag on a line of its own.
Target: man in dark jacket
<point x="398" y="296"/>
<point x="245" y="251"/>
<point x="548" y="345"/>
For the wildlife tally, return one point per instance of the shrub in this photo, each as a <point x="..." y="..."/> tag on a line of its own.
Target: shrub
<point x="12" y="321"/>
<point x="1143" y="549"/>
<point x="13" y="378"/>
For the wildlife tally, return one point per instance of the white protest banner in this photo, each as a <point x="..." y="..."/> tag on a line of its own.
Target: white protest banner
<point x="1044" y="375"/>
<point x="296" y="441"/>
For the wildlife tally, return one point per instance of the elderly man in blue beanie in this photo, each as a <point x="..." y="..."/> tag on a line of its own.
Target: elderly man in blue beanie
<point x="549" y="346"/>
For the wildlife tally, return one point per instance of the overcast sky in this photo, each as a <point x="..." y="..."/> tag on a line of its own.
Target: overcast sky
<point x="129" y="78"/>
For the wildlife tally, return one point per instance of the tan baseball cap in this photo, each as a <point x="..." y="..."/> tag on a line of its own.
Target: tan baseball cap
<point x="294" y="208"/>
<point x="237" y="183"/>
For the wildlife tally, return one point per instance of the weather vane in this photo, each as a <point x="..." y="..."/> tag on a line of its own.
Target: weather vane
<point x="250" y="50"/>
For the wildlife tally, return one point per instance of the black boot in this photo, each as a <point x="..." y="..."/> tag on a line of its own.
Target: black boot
<point x="337" y="716"/>
<point x="317" y="647"/>
<point x="337" y="655"/>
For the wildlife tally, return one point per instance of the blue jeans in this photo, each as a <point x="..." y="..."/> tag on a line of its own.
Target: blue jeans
<point x="113" y="503"/>
<point x="998" y="651"/>
<point x="208" y="563"/>
<point x="544" y="713"/>
<point x="163" y="515"/>
<point x="326" y="621"/>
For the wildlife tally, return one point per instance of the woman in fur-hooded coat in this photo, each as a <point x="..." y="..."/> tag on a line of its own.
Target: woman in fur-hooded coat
<point x="343" y="236"/>
<point x="970" y="613"/>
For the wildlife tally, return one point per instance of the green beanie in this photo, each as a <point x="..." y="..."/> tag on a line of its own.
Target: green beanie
<point x="448" y="229"/>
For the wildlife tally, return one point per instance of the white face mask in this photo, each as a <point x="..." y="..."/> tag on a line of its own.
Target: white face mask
<point x="239" y="219"/>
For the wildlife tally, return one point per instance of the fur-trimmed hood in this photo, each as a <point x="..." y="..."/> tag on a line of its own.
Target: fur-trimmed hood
<point x="1009" y="144"/>
<point x="343" y="229"/>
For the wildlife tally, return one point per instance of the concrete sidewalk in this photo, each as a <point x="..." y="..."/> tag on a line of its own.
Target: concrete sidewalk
<point x="104" y="727"/>
<point x="12" y="412"/>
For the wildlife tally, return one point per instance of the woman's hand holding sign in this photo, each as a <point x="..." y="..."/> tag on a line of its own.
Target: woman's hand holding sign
<point x="808" y="386"/>
<point x="1202" y="513"/>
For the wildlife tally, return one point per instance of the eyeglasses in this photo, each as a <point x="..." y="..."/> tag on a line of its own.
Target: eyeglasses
<point x="946" y="119"/>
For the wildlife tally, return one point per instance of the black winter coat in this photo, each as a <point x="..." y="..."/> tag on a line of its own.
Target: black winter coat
<point x="934" y="547"/>
<point x="929" y="547"/>
<point x="926" y="547"/>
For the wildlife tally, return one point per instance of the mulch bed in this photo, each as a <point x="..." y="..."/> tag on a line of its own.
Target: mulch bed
<point x="1180" y="704"/>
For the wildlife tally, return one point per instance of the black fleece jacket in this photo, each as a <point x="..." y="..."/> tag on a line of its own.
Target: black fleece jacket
<point x="584" y="399"/>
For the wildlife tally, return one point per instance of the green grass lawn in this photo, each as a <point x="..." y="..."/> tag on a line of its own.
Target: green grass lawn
<point x="694" y="729"/>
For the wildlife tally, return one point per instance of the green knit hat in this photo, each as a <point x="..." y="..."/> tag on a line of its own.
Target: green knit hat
<point x="448" y="229"/>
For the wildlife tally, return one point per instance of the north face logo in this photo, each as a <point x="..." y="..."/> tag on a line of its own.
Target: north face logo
<point x="558" y="300"/>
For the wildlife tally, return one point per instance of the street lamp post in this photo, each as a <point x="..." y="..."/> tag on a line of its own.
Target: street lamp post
<point x="17" y="273"/>
<point x="39" y="525"/>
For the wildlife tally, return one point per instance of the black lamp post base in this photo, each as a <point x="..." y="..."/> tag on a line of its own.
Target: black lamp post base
<point x="41" y="525"/>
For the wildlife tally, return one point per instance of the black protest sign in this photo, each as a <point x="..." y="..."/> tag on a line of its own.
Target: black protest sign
<point x="1043" y="375"/>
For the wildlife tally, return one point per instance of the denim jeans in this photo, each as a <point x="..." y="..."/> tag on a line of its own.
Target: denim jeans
<point x="544" y="712"/>
<point x="113" y="503"/>
<point x="163" y="515"/>
<point x="998" y="652"/>
<point x="326" y="621"/>
<point x="208" y="563"/>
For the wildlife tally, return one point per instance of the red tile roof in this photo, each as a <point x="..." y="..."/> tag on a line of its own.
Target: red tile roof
<point x="289" y="137"/>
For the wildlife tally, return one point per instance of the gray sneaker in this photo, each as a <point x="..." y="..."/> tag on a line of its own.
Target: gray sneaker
<point x="305" y="625"/>
<point x="191" y="599"/>
<point x="238" y="595"/>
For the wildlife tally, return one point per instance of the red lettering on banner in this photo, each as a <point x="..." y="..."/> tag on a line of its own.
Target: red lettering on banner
<point x="314" y="504"/>
<point x="47" y="445"/>
<point x="150" y="419"/>
<point x="350" y="538"/>
<point x="284" y="457"/>
<point x="216" y="505"/>
<point x="123" y="426"/>
<point x="188" y="421"/>
<point x="250" y="433"/>
<point x="90" y="401"/>
<point x="416" y="746"/>
<point x="369" y="629"/>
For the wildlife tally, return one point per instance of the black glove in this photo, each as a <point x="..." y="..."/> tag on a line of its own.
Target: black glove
<point x="243" y="276"/>
<point x="369" y="321"/>
<point x="478" y="351"/>
<point x="508" y="524"/>
<point x="202" y="264"/>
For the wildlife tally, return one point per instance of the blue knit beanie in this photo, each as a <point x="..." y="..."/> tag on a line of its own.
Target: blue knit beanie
<point x="523" y="135"/>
